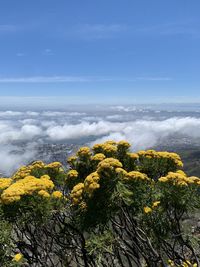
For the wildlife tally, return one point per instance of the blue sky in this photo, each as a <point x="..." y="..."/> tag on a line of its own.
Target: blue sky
<point x="124" y="51"/>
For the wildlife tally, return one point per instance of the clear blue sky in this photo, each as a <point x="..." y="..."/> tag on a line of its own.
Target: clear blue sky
<point x="108" y="50"/>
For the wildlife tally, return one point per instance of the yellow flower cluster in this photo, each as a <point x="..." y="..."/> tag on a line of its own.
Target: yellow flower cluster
<point x="54" y="165"/>
<point x="98" y="148"/>
<point x="72" y="174"/>
<point x="71" y="159"/>
<point x="133" y="156"/>
<point x="162" y="155"/>
<point x="108" y="164"/>
<point x="18" y="257"/>
<point x="123" y="144"/>
<point x="57" y="194"/>
<point x="76" y="193"/>
<point x="26" y="170"/>
<point x="179" y="178"/>
<point x="98" y="157"/>
<point x="91" y="183"/>
<point x="172" y="156"/>
<point x="25" y="186"/>
<point x="121" y="171"/>
<point x="187" y="263"/>
<point x="136" y="176"/>
<point x="22" y="172"/>
<point x="38" y="164"/>
<point x="108" y="148"/>
<point x="111" y="142"/>
<point x="5" y="182"/>
<point x="147" y="209"/>
<point x="45" y="176"/>
<point x="84" y="152"/>
<point x="43" y="193"/>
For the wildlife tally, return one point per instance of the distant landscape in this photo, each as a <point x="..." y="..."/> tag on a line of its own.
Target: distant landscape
<point x="51" y="135"/>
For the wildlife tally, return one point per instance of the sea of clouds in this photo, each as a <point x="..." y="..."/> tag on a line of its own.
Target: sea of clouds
<point x="22" y="131"/>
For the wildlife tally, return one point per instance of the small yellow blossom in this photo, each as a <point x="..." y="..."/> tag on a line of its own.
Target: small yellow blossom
<point x="109" y="163"/>
<point x="84" y="152"/>
<point x="71" y="159"/>
<point x="72" y="174"/>
<point x="43" y="193"/>
<point x="54" y="165"/>
<point x="57" y="194"/>
<point x="136" y="176"/>
<point x="147" y="209"/>
<point x="155" y="204"/>
<point x="18" y="257"/>
<point x="98" y="157"/>
<point x="133" y="156"/>
<point x="171" y="263"/>
<point x="123" y="144"/>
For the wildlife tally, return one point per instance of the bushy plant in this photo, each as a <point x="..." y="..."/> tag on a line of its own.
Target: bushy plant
<point x="112" y="207"/>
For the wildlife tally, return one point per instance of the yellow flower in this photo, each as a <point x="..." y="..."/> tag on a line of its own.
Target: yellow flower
<point x="18" y="257"/>
<point x="109" y="163"/>
<point x="71" y="159"/>
<point x="147" y="209"/>
<point x="98" y="157"/>
<point x="57" y="194"/>
<point x="155" y="204"/>
<point x="26" y="186"/>
<point x="91" y="183"/>
<point x="84" y="152"/>
<point x="54" y="165"/>
<point x="110" y="142"/>
<point x="83" y="205"/>
<point x="109" y="149"/>
<point x="123" y="144"/>
<point x="45" y="176"/>
<point x="133" y="156"/>
<point x="43" y="193"/>
<point x="76" y="193"/>
<point x="72" y="174"/>
<point x="5" y="182"/>
<point x="163" y="179"/>
<point x="38" y="164"/>
<point x="98" y="148"/>
<point x="121" y="171"/>
<point x="137" y="176"/>
<point x="171" y="263"/>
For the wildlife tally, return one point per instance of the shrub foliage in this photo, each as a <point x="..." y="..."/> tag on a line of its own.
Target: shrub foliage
<point x="110" y="207"/>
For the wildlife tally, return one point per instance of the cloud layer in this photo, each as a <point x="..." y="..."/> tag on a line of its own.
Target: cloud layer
<point x="22" y="131"/>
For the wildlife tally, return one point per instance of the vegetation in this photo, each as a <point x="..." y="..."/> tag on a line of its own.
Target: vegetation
<point x="110" y="207"/>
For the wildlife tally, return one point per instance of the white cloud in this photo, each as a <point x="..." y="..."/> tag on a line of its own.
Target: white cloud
<point x="10" y="113"/>
<point x="17" y="128"/>
<point x="84" y="129"/>
<point x="45" y="79"/>
<point x="11" y="157"/>
<point x="9" y="133"/>
<point x="32" y="113"/>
